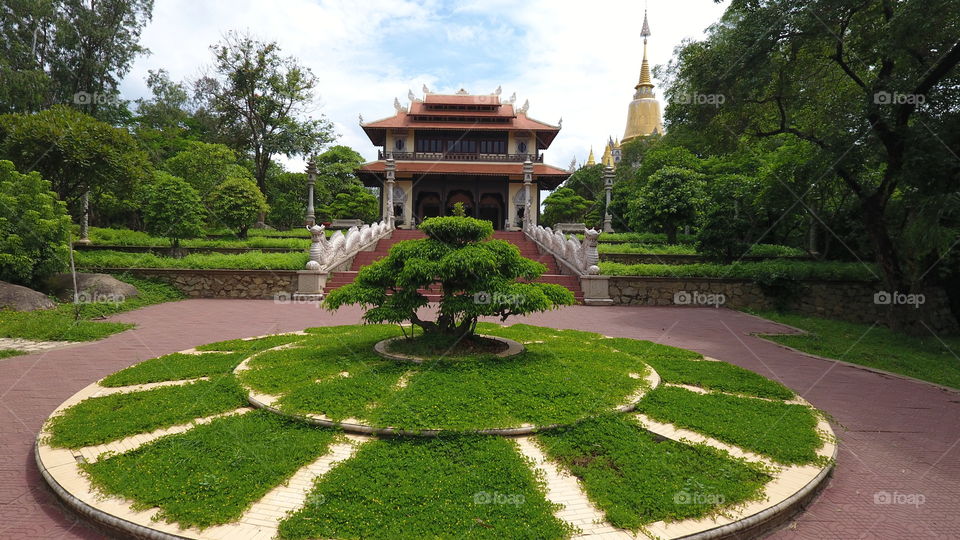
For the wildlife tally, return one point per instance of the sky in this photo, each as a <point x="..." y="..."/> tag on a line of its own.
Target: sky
<point x="573" y="60"/>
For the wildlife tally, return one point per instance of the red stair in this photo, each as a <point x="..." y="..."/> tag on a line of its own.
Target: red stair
<point x="528" y="248"/>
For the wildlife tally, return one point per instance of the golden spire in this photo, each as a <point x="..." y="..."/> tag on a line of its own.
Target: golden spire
<point x="591" y="160"/>
<point x="643" y="115"/>
<point x="607" y="158"/>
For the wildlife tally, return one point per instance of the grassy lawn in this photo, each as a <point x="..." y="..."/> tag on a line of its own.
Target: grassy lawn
<point x="687" y="367"/>
<point x="69" y="322"/>
<point x="757" y="271"/>
<point x="446" y="487"/>
<point x="108" y="418"/>
<point x="636" y="479"/>
<point x="7" y="353"/>
<point x="756" y="250"/>
<point x="785" y="433"/>
<point x="251" y="260"/>
<point x="561" y="380"/>
<point x="212" y="473"/>
<point x="449" y="486"/>
<point x="175" y="367"/>
<point x="126" y="237"/>
<point x="928" y="358"/>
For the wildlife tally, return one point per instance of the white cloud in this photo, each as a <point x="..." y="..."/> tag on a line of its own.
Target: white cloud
<point x="575" y="60"/>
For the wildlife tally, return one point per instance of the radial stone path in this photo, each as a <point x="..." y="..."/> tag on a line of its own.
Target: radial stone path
<point x="898" y="439"/>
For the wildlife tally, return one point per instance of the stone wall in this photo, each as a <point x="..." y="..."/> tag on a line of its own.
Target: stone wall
<point x="843" y="300"/>
<point x="221" y="283"/>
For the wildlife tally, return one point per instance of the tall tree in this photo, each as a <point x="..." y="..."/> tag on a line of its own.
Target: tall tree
<point x="870" y="83"/>
<point x="259" y="98"/>
<point x="69" y="51"/>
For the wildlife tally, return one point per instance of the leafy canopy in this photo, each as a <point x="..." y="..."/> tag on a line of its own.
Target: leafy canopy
<point x="476" y="277"/>
<point x="34" y="228"/>
<point x="172" y="208"/>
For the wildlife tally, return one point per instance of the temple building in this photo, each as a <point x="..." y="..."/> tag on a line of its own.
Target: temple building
<point x="472" y="149"/>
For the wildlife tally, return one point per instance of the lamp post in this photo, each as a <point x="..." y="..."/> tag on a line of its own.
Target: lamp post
<point x="527" y="181"/>
<point x="311" y="218"/>
<point x="391" y="169"/>
<point x="607" y="186"/>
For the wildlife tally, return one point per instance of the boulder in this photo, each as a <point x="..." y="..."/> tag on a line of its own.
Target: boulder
<point x="92" y="288"/>
<point x="21" y="298"/>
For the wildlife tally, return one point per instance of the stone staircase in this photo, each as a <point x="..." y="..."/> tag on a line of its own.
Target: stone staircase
<point x="528" y="249"/>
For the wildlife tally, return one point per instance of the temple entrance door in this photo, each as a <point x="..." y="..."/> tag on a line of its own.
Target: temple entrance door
<point x="491" y="209"/>
<point x="460" y="196"/>
<point x="428" y="205"/>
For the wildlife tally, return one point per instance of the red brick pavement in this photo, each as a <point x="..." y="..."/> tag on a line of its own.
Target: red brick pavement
<point x="898" y="437"/>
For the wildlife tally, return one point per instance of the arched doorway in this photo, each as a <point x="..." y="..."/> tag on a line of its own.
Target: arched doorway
<point x="428" y="205"/>
<point x="491" y="209"/>
<point x="460" y="196"/>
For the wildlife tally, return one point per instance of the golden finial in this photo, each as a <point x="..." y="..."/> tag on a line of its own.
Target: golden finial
<point x="591" y="160"/>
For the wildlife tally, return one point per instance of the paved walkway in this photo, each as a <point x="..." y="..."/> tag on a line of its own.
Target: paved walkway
<point x="898" y="473"/>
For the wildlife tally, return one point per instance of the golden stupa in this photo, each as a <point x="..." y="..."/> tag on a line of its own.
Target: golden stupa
<point x="643" y="115"/>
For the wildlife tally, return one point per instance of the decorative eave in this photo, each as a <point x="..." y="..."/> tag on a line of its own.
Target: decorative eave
<point x="547" y="176"/>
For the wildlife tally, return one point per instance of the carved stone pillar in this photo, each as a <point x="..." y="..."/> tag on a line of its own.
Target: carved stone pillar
<point x="85" y="222"/>
<point x="607" y="186"/>
<point x="391" y="170"/>
<point x="311" y="219"/>
<point x="527" y="181"/>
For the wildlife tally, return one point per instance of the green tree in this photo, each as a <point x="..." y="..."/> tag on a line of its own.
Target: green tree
<point x="167" y="122"/>
<point x="564" y="205"/>
<point x="876" y="97"/>
<point x="477" y="277"/>
<point x="76" y="153"/>
<point x="34" y="228"/>
<point x="287" y="196"/>
<point x="336" y="172"/>
<point x="236" y="203"/>
<point x="257" y="97"/>
<point x="172" y="208"/>
<point x="206" y="165"/>
<point x="69" y="52"/>
<point x="355" y="203"/>
<point x="671" y="197"/>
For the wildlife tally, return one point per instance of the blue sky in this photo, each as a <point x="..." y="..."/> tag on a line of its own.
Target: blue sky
<point x="575" y="60"/>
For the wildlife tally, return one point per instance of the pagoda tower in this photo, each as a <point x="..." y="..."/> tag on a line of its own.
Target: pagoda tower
<point x="643" y="114"/>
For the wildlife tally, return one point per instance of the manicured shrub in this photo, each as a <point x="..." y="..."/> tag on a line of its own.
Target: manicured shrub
<point x="34" y="228"/>
<point x="477" y="278"/>
<point x="236" y="203"/>
<point x="172" y="209"/>
<point x="671" y="197"/>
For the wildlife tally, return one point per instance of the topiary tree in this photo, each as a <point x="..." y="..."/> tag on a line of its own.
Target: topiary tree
<point x="34" y="228"/>
<point x="671" y="197"/>
<point x="476" y="277"/>
<point x="172" y="209"/>
<point x="355" y="203"/>
<point x="564" y="206"/>
<point x="237" y="202"/>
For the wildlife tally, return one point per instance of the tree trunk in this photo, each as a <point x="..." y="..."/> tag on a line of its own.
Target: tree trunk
<point x="900" y="318"/>
<point x="671" y="231"/>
